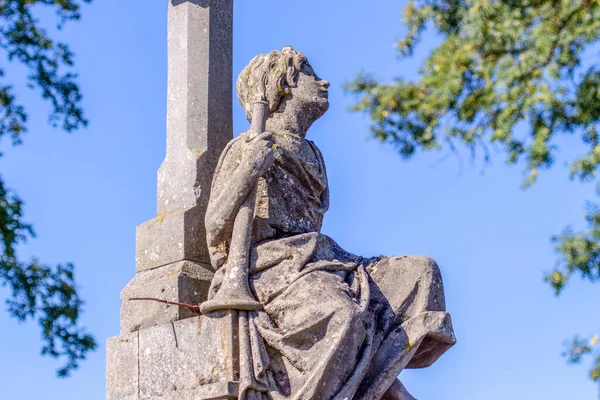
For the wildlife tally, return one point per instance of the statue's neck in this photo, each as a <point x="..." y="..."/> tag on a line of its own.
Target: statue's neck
<point x="292" y="124"/>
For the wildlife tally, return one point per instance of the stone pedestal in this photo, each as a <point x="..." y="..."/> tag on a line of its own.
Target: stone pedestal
<point x="183" y="282"/>
<point x="191" y="359"/>
<point x="170" y="238"/>
<point x="171" y="253"/>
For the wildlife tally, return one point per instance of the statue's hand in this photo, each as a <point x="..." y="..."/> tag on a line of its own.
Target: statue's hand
<point x="259" y="154"/>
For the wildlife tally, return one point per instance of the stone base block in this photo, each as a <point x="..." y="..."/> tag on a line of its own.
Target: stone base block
<point x="122" y="367"/>
<point x="187" y="355"/>
<point x="170" y="238"/>
<point x="214" y="391"/>
<point x="192" y="359"/>
<point x="183" y="282"/>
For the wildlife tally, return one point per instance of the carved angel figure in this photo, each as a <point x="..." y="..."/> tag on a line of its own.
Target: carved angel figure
<point x="335" y="325"/>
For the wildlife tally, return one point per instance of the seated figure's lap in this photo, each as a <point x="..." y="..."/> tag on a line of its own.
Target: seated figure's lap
<point x="321" y="329"/>
<point x="410" y="286"/>
<point x="404" y="286"/>
<point x="315" y="298"/>
<point x="324" y="321"/>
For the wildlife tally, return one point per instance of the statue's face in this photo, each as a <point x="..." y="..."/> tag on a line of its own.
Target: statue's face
<point x="310" y="95"/>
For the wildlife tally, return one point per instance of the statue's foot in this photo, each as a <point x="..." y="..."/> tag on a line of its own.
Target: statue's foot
<point x="397" y="392"/>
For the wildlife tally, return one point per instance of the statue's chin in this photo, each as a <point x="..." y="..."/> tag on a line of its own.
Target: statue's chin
<point x="324" y="109"/>
<point x="320" y="108"/>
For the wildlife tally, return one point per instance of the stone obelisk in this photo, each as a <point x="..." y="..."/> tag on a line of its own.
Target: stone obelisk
<point x="199" y="125"/>
<point x="159" y="353"/>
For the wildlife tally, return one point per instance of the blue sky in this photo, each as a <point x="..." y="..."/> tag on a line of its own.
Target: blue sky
<point x="86" y="192"/>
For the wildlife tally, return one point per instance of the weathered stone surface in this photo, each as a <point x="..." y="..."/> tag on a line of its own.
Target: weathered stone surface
<point x="331" y="324"/>
<point x="193" y="359"/>
<point x="397" y="392"/>
<point x="170" y="238"/>
<point x="183" y="282"/>
<point x="338" y="325"/>
<point x="199" y="125"/>
<point x="185" y="356"/>
<point x="171" y="254"/>
<point x="122" y="367"/>
<point x="199" y="122"/>
<point x="214" y="391"/>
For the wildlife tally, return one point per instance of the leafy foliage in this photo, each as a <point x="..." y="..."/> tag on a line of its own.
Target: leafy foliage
<point x="578" y="348"/>
<point x="579" y="252"/>
<point x="508" y="74"/>
<point x="45" y="293"/>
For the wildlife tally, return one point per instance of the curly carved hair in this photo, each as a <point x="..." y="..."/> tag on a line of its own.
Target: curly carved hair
<point x="269" y="77"/>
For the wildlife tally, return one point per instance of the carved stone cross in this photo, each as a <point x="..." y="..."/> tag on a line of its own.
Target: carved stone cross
<point x="199" y="125"/>
<point x="171" y="256"/>
<point x="158" y="351"/>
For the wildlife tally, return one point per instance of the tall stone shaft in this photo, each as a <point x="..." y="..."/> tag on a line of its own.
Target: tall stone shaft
<point x="199" y="125"/>
<point x="172" y="260"/>
<point x="199" y="100"/>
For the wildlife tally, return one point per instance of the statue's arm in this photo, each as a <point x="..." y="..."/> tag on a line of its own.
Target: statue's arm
<point x="238" y="170"/>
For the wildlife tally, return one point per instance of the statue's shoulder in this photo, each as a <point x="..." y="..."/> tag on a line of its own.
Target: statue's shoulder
<point x="314" y="147"/>
<point x="235" y="143"/>
<point x="229" y="155"/>
<point x="233" y="147"/>
<point x="317" y="152"/>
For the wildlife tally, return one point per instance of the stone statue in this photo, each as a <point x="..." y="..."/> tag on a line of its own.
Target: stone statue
<point x="334" y="325"/>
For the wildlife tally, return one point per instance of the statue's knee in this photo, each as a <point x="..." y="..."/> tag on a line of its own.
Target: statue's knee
<point x="431" y="279"/>
<point x="427" y="266"/>
<point x="421" y="268"/>
<point x="413" y="282"/>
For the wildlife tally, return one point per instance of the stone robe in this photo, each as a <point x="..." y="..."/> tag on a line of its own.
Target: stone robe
<point x="334" y="325"/>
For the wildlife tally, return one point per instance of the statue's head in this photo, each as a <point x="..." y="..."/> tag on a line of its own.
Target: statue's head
<point x="286" y="81"/>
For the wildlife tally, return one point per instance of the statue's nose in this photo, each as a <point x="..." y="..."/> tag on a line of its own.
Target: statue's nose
<point x="325" y="84"/>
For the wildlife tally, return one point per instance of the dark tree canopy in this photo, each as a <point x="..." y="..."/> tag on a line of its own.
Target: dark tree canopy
<point x="512" y="74"/>
<point x="47" y="294"/>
